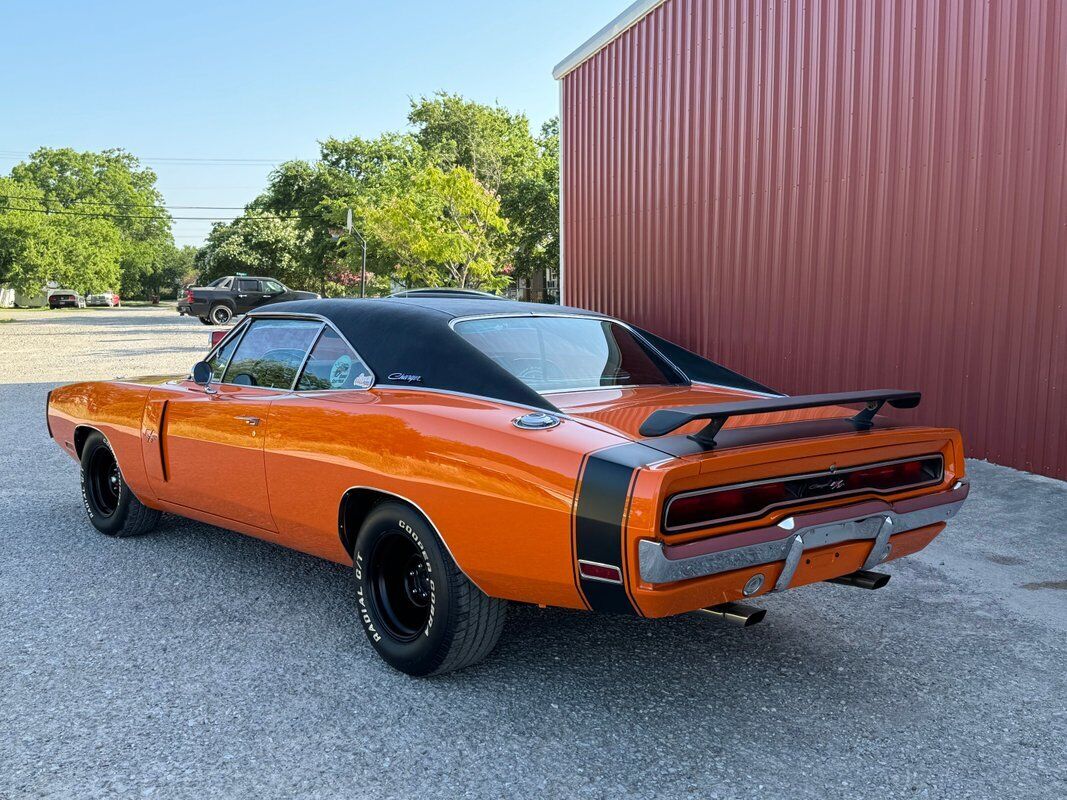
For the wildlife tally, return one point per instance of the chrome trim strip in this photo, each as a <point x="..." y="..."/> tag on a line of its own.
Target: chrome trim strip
<point x="585" y="577"/>
<point x="495" y="400"/>
<point x="808" y="499"/>
<point x="254" y="315"/>
<point x="307" y="356"/>
<point x="600" y="317"/>
<point x="655" y="567"/>
<point x="752" y="392"/>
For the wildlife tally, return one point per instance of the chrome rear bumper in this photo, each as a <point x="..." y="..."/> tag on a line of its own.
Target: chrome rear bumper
<point x="787" y="541"/>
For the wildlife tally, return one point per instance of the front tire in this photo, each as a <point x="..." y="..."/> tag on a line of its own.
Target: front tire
<point x="419" y="611"/>
<point x="112" y="507"/>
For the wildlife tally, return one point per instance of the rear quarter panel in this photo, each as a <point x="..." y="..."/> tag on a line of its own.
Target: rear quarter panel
<point x="500" y="497"/>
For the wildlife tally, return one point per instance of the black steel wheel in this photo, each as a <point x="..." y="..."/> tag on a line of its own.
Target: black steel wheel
<point x="105" y="481"/>
<point x="401" y="588"/>
<point x="111" y="505"/>
<point x="419" y="611"/>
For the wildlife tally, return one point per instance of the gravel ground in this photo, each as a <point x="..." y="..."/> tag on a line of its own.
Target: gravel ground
<point x="200" y="663"/>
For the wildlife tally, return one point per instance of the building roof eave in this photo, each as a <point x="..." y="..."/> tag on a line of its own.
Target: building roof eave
<point x="606" y="35"/>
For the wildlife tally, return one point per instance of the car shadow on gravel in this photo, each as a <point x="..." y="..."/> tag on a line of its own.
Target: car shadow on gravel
<point x="894" y="688"/>
<point x="884" y="639"/>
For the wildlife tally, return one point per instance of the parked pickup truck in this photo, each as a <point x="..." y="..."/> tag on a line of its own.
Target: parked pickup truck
<point x="224" y="298"/>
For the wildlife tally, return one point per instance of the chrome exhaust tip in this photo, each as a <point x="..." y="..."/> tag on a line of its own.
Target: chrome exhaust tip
<point x="863" y="579"/>
<point x="737" y="613"/>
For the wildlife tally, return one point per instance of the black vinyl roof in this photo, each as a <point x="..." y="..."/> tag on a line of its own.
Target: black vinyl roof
<point x="400" y="338"/>
<point x="411" y="337"/>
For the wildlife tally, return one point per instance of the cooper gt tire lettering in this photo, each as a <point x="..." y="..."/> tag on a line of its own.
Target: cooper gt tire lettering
<point x="418" y="610"/>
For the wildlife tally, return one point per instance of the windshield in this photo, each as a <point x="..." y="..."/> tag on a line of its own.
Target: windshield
<point x="558" y="354"/>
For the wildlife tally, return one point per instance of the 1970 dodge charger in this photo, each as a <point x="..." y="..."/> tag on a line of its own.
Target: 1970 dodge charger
<point x="461" y="452"/>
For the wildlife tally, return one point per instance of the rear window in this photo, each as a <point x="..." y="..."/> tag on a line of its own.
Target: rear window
<point x="334" y="365"/>
<point x="559" y="354"/>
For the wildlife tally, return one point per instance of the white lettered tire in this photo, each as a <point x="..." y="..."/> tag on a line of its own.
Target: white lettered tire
<point x="112" y="507"/>
<point x="418" y="610"/>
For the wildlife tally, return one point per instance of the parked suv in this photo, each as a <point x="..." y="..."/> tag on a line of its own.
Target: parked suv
<point x="224" y="298"/>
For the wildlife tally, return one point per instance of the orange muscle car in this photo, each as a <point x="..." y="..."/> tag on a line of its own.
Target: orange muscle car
<point x="460" y="452"/>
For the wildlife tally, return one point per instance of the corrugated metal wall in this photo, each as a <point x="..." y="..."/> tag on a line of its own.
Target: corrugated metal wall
<point x="833" y="195"/>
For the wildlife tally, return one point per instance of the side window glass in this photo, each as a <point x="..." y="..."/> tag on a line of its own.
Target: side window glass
<point x="273" y="287"/>
<point x="334" y="365"/>
<point x="245" y="285"/>
<point x="221" y="357"/>
<point x="271" y="353"/>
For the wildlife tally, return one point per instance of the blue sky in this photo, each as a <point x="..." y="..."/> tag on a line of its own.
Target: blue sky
<point x="267" y="80"/>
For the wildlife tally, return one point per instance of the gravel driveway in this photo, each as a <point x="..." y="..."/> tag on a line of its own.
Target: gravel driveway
<point x="200" y="663"/>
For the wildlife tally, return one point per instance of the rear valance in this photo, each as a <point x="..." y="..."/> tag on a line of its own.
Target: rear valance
<point x="662" y="422"/>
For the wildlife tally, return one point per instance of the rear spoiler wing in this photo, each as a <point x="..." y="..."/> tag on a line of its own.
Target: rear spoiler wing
<point x="665" y="420"/>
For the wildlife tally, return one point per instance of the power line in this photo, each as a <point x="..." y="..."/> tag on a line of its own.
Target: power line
<point x="102" y="215"/>
<point x="137" y="205"/>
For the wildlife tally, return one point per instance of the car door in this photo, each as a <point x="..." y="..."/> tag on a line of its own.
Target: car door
<point x="210" y="439"/>
<point x="303" y="477"/>
<point x="248" y="294"/>
<point x="274" y="292"/>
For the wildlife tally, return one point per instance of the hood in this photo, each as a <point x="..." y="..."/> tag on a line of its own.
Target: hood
<point x="621" y="411"/>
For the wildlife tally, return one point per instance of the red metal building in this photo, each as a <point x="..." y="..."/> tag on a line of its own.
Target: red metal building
<point x="833" y="195"/>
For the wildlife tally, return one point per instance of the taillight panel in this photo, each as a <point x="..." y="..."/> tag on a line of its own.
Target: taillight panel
<point x="736" y="502"/>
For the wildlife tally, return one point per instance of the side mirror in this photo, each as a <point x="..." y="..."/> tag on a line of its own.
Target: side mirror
<point x="202" y="373"/>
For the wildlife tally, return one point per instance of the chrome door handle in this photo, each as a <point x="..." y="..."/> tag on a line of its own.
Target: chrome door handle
<point x="249" y="420"/>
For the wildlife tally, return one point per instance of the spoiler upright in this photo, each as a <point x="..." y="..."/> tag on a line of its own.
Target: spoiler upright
<point x="665" y="420"/>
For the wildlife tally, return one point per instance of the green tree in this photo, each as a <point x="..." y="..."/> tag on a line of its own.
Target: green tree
<point x="445" y="228"/>
<point x="29" y="252"/>
<point x="106" y="196"/>
<point x="533" y="208"/>
<point x="499" y="150"/>
<point x="491" y="142"/>
<point x="258" y="244"/>
<point x="38" y="245"/>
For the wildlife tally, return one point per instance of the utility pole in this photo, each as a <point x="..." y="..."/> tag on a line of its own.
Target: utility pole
<point x="363" y="272"/>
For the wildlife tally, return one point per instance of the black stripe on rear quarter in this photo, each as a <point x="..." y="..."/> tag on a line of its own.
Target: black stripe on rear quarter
<point x="600" y="517"/>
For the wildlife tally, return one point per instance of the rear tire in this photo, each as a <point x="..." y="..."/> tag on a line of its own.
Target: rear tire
<point x="205" y="320"/>
<point x="220" y="314"/>
<point x="112" y="507"/>
<point x="419" y="611"/>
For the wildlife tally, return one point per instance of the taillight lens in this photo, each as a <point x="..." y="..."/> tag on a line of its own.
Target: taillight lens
<point x="189" y="295"/>
<point x="729" y="503"/>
